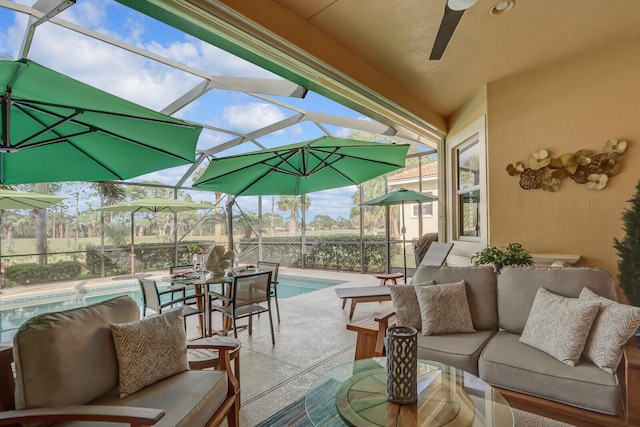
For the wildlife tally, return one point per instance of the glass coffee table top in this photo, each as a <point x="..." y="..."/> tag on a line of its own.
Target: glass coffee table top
<point x="355" y="394"/>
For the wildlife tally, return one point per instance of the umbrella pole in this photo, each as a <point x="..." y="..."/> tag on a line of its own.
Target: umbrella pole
<point x="133" y="252"/>
<point x="404" y="246"/>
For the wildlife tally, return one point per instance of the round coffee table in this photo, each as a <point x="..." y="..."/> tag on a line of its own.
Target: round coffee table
<point x="355" y="394"/>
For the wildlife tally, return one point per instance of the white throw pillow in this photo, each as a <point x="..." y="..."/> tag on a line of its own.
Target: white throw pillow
<point x="614" y="325"/>
<point x="559" y="326"/>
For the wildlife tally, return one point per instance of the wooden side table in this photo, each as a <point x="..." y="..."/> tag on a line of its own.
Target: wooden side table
<point x="393" y="277"/>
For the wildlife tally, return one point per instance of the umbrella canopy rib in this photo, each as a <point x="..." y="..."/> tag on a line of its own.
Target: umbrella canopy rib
<point x="90" y="129"/>
<point x="316" y="165"/>
<point x="81" y="133"/>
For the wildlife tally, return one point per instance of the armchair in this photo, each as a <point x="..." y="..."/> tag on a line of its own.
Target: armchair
<point x="67" y="369"/>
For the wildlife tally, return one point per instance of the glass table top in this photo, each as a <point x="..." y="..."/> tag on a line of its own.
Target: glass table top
<point x="355" y="394"/>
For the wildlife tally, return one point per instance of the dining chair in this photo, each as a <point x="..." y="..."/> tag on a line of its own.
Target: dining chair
<point x="250" y="294"/>
<point x="273" y="268"/>
<point x="179" y="269"/>
<point x="151" y="299"/>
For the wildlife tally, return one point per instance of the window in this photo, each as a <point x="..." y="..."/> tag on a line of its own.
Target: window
<point x="467" y="217"/>
<point x="427" y="208"/>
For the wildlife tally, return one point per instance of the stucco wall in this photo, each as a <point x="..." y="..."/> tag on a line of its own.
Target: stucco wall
<point x="578" y="103"/>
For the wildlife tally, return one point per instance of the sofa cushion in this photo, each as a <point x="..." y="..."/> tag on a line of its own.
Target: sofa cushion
<point x="480" y="287"/>
<point x="63" y="342"/>
<point x="614" y="325"/>
<point x="149" y="350"/>
<point x="188" y="399"/>
<point x="405" y="304"/>
<point x="444" y="309"/>
<point x="459" y="350"/>
<point x="506" y="362"/>
<point x="517" y="288"/>
<point x="559" y="326"/>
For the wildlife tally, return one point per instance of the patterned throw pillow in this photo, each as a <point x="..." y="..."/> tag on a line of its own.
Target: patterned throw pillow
<point x="614" y="325"/>
<point x="559" y="326"/>
<point x="405" y="304"/>
<point x="149" y="350"/>
<point x="444" y="309"/>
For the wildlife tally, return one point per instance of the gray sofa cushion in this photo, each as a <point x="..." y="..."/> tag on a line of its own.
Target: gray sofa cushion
<point x="459" y="350"/>
<point x="508" y="363"/>
<point x="188" y="399"/>
<point x="480" y="285"/>
<point x="53" y="349"/>
<point x="517" y="288"/>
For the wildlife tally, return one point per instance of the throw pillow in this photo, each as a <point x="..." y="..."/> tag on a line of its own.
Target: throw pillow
<point x="614" y="325"/>
<point x="444" y="309"/>
<point x="559" y="326"/>
<point x="405" y="304"/>
<point x="149" y="350"/>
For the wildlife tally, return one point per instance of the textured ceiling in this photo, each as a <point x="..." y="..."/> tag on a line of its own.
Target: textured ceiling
<point x="396" y="36"/>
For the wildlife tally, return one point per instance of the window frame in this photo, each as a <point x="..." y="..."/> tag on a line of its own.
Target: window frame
<point x="475" y="131"/>
<point x="415" y="210"/>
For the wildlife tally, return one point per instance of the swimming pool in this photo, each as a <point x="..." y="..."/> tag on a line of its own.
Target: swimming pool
<point x="14" y="312"/>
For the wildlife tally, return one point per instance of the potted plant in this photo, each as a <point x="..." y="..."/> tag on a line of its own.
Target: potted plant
<point x="513" y="254"/>
<point x="629" y="252"/>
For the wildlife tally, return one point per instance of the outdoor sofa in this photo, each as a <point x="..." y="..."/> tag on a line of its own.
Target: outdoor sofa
<point x="530" y="379"/>
<point x="102" y="363"/>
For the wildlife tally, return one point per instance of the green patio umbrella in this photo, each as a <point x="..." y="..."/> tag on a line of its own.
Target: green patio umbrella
<point x="10" y="199"/>
<point x="398" y="197"/>
<point x="301" y="168"/>
<point x="153" y="204"/>
<point x="54" y="129"/>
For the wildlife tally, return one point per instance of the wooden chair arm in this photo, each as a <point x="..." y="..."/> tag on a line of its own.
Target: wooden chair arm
<point x="133" y="416"/>
<point x="385" y="320"/>
<point x="217" y="346"/>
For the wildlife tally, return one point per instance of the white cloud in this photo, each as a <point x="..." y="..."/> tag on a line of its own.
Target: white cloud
<point x="343" y="132"/>
<point x="252" y="116"/>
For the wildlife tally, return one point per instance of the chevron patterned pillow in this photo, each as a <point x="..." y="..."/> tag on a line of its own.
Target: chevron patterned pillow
<point x="611" y="330"/>
<point x="444" y="309"/>
<point x="149" y="350"/>
<point x="559" y="326"/>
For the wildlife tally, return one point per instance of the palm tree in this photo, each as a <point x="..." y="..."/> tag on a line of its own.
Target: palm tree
<point x="292" y="204"/>
<point x="374" y="215"/>
<point x="40" y="216"/>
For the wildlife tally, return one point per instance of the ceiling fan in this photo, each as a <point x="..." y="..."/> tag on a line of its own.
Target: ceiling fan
<point x="453" y="11"/>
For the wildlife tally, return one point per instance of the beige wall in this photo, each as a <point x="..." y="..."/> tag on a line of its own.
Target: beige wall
<point x="412" y="223"/>
<point x="575" y="104"/>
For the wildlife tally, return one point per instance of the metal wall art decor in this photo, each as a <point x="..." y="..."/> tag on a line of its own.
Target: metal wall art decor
<point x="402" y="364"/>
<point x="583" y="167"/>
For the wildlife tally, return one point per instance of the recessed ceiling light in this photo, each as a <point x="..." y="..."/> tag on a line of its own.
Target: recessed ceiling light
<point x="502" y="7"/>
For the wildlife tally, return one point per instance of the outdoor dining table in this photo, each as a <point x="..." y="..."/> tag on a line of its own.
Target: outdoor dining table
<point x="201" y="284"/>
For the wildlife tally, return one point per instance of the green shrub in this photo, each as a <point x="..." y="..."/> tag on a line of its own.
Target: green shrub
<point x="340" y="252"/>
<point x="39" y="273"/>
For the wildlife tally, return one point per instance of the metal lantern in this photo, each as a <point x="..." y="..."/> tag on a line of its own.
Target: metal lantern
<point x="402" y="364"/>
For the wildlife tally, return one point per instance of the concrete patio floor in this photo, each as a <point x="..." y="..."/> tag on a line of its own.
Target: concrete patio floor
<point x="310" y="340"/>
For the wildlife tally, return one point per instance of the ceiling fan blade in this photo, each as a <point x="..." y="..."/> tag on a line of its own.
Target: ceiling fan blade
<point x="447" y="27"/>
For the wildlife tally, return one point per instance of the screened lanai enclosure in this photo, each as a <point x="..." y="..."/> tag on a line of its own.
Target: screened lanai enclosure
<point x="245" y="98"/>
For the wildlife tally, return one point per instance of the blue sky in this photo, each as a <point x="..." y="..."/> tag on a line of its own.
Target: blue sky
<point x="156" y="85"/>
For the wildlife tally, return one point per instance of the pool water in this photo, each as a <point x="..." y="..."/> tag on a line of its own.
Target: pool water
<point x="15" y="312"/>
